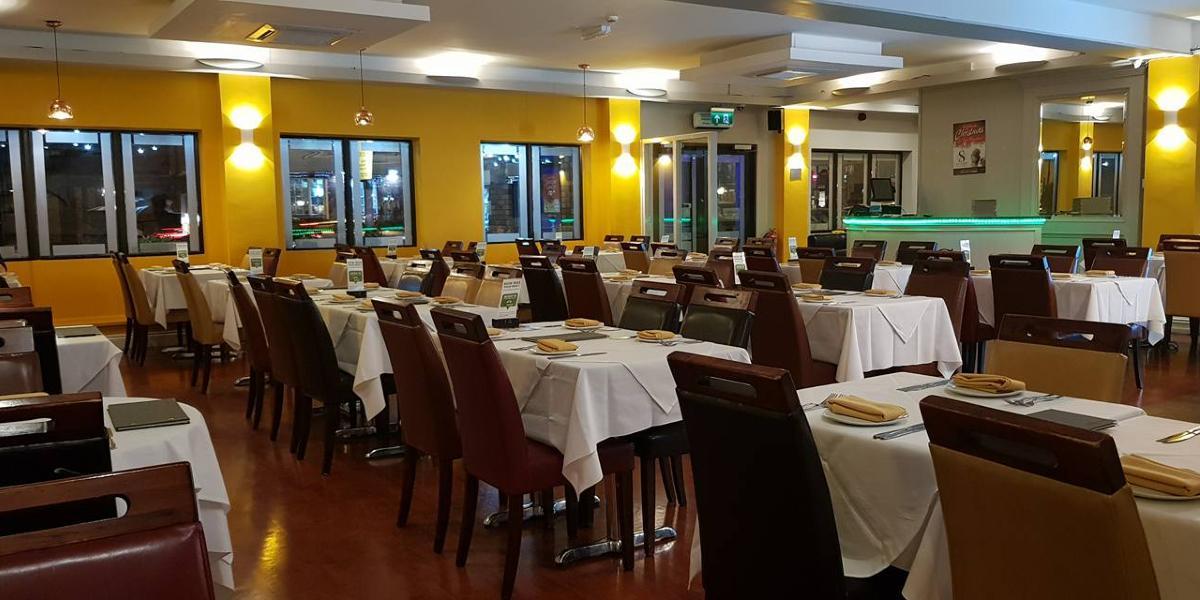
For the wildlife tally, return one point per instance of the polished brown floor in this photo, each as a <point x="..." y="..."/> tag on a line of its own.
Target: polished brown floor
<point x="297" y="534"/>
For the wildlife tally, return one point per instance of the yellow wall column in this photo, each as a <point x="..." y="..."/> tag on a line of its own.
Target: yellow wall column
<point x="624" y="204"/>
<point x="1083" y="185"/>
<point x="792" y="201"/>
<point x="251" y="211"/>
<point x="1170" y="203"/>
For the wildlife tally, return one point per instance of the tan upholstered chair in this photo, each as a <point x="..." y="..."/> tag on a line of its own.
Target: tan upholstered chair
<point x="463" y="287"/>
<point x="206" y="334"/>
<point x="665" y="260"/>
<point x="489" y="288"/>
<point x="1183" y="285"/>
<point x="1081" y="359"/>
<point x="1033" y="509"/>
<point x="144" y="315"/>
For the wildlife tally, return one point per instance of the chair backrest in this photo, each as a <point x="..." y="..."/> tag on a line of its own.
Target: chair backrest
<point x="586" y="295"/>
<point x="759" y="482"/>
<point x="252" y="326"/>
<point x="1163" y="239"/>
<point x="760" y="241"/>
<point x="526" y="247"/>
<point x="656" y="246"/>
<point x="577" y="249"/>
<point x="907" y="251"/>
<point x="1125" y="261"/>
<point x="271" y="258"/>
<point x="761" y="258"/>
<point x="943" y="279"/>
<point x="1091" y="246"/>
<point x="663" y="263"/>
<point x="130" y="312"/>
<point x="811" y="262"/>
<point x="779" y="338"/>
<point x="635" y="256"/>
<point x="73" y="440"/>
<point x="1062" y="259"/>
<point x="491" y="286"/>
<point x="724" y="267"/>
<point x="45" y="342"/>
<point x="143" y="314"/>
<point x="435" y="279"/>
<point x="452" y="246"/>
<point x="653" y="305"/>
<point x="726" y="242"/>
<point x="279" y="338"/>
<point x="16" y="297"/>
<point x="464" y="257"/>
<point x="546" y="299"/>
<point x="372" y="268"/>
<point x="612" y="237"/>
<point x="1083" y="540"/>
<point x="848" y="273"/>
<point x="552" y="249"/>
<point x="869" y="249"/>
<point x="411" y="281"/>
<point x="427" y="411"/>
<point x="489" y="422"/>
<point x="204" y="330"/>
<point x="1082" y="359"/>
<point x="690" y="276"/>
<point x="463" y="287"/>
<point x="312" y="352"/>
<point x="1183" y="284"/>
<point x="1021" y="285"/>
<point x="155" y="550"/>
<point x="946" y="255"/>
<point x="644" y="240"/>
<point x="20" y="367"/>
<point x="833" y="241"/>
<point x="721" y="316"/>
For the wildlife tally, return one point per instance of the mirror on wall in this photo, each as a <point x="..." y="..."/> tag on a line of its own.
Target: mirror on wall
<point x="1081" y="151"/>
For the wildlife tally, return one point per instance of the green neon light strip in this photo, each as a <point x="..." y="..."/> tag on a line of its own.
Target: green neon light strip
<point x="879" y="222"/>
<point x="672" y="219"/>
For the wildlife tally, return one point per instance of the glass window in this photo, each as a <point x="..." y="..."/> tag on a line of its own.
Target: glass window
<point x="514" y="208"/>
<point x="161" y="204"/>
<point x="1048" y="182"/>
<point x="312" y="187"/>
<point x="504" y="184"/>
<point x="73" y="176"/>
<point x="556" y="197"/>
<point x="382" y="193"/>
<point x="1107" y="176"/>
<point x="13" y="243"/>
<point x="1085" y="134"/>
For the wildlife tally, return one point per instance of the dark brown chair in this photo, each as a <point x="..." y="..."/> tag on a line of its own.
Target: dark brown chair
<point x="20" y="368"/>
<point x="848" y="273"/>
<point x="779" y="338"/>
<point x="726" y="242"/>
<point x="279" y="347"/>
<point x="258" y="352"/>
<point x="907" y="252"/>
<point x="612" y="237"/>
<point x="1062" y="259"/>
<point x="656" y="246"/>
<point x="45" y="342"/>
<point x="1124" y="261"/>
<point x="577" y="250"/>
<point x="759" y="482"/>
<point x="644" y="240"/>
<point x="155" y="550"/>
<point x="973" y="332"/>
<point x="868" y="249"/>
<point x="833" y="241"/>
<point x="526" y="247"/>
<point x="552" y="249"/>
<point x="130" y="311"/>
<point x="1163" y="239"/>
<point x="636" y="257"/>
<point x="1021" y="285"/>
<point x="653" y="305"/>
<point x="372" y="268"/>
<point x="464" y="257"/>
<point x="761" y="258"/>
<point x="452" y="246"/>
<point x="760" y="241"/>
<point x="435" y="280"/>
<point x="1085" y="538"/>
<point x="720" y="252"/>
<point x="586" y="295"/>
<point x="16" y="297"/>
<point x="689" y="277"/>
<point x="427" y="411"/>
<point x="271" y="258"/>
<point x="495" y="449"/>
<point x="1082" y="359"/>
<point x="943" y="254"/>
<point x="1092" y="246"/>
<point x="721" y="316"/>
<point x="811" y="262"/>
<point x="724" y="268"/>
<point x="546" y="299"/>
<point x="943" y="279"/>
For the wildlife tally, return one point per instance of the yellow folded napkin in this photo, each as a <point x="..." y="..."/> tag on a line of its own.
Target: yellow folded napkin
<point x="1060" y="276"/>
<point x="981" y="271"/>
<point x="580" y="322"/>
<point x="407" y="294"/>
<point x="878" y="292"/>
<point x="816" y="298"/>
<point x="1100" y="273"/>
<point x="445" y="299"/>
<point x="370" y="285"/>
<point x="621" y="277"/>
<point x="993" y="384"/>
<point x="655" y="334"/>
<point x="696" y="256"/>
<point x="630" y="272"/>
<point x="887" y="263"/>
<point x="861" y="408"/>
<point x="365" y="304"/>
<point x="301" y="276"/>
<point x="343" y="297"/>
<point x="806" y="286"/>
<point x="556" y="345"/>
<point x="493" y="332"/>
<point x="25" y="395"/>
<point x="1153" y="475"/>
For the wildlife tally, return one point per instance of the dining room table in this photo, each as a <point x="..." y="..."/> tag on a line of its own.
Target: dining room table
<point x="888" y="275"/>
<point x="166" y="294"/>
<point x="393" y="268"/>
<point x="89" y="363"/>
<point x="190" y="443"/>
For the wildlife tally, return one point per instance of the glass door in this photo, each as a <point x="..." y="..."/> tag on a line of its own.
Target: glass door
<point x="735" y="191"/>
<point x="821" y="208"/>
<point x="660" y="192"/>
<point x="679" y="194"/>
<point x="852" y="181"/>
<point x="693" y="191"/>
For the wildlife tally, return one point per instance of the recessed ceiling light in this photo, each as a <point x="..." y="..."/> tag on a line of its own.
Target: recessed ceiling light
<point x="647" y="83"/>
<point x="851" y="91"/>
<point x="235" y="64"/>
<point x="453" y="67"/>
<point x="647" y="92"/>
<point x="1195" y="17"/>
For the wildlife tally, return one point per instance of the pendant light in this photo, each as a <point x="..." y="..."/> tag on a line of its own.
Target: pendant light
<point x="585" y="134"/>
<point x="363" y="117"/>
<point x="59" y="109"/>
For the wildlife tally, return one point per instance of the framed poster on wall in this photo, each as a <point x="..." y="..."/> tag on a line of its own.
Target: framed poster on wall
<point x="970" y="138"/>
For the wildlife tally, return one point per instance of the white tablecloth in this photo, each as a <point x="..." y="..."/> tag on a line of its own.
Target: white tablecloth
<point x="188" y="443"/>
<point x="1171" y="527"/>
<point x="892" y="277"/>
<point x="165" y="293"/>
<point x="610" y="262"/>
<point x="392" y="269"/>
<point x="573" y="404"/>
<point x="90" y="364"/>
<point x="862" y="333"/>
<point x="1104" y="300"/>
<point x="618" y="292"/>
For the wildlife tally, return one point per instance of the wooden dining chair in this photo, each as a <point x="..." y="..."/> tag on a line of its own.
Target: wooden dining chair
<point x="492" y="284"/>
<point x="435" y="279"/>
<point x="1093" y="246"/>
<point x="849" y="273"/>
<point x="874" y="249"/>
<point x="761" y="258"/>
<point x="652" y="305"/>
<point x="127" y="299"/>
<point x="613" y="237"/>
<point x="1183" y="286"/>
<point x="656" y="246"/>
<point x="464" y="257"/>
<point x="664" y="260"/>
<point x="760" y="485"/>
<point x="372" y="268"/>
<point x="16" y="297"/>
<point x="207" y="336"/>
<point x="258" y="352"/>
<point x="907" y="252"/>
<point x="730" y="243"/>
<point x="1081" y="359"/>
<point x="1021" y="285"/>
<point x="586" y="295"/>
<point x="635" y="256"/>
<point x="833" y="241"/>
<point x="280" y="347"/>
<point x="1085" y="538"/>
<point x="1124" y="261"/>
<point x="20" y="367"/>
<point x="943" y="279"/>
<point x="689" y="277"/>
<point x="720" y="316"/>
<point x="724" y="267"/>
<point x="1061" y="258"/>
<point x="1186" y="238"/>
<point x="779" y="338"/>
<point x="144" y="316"/>
<point x="526" y="247"/>
<point x="427" y="411"/>
<point x="552" y="249"/>
<point x="496" y="450"/>
<point x="452" y="246"/>
<point x="811" y="262"/>
<point x="464" y="281"/>
<point x="546" y="299"/>
<point x="156" y="549"/>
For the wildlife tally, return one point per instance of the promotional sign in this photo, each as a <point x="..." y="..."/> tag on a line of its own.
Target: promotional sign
<point x="965" y="246"/>
<point x="391" y="249"/>
<point x="739" y="261"/>
<point x="589" y="252"/>
<point x="481" y="250"/>
<point x="354" y="275"/>
<point x="510" y="294"/>
<point x="969" y="141"/>
<point x="181" y="251"/>
<point x="1116" y="234"/>
<point x="791" y="248"/>
<point x="666" y="239"/>
<point x="256" y="261"/>
<point x="558" y="235"/>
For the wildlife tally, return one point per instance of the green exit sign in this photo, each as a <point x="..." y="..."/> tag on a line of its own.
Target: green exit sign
<point x="721" y="118"/>
<point x="716" y="118"/>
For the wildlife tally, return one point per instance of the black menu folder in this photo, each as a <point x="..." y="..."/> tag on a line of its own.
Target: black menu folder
<point x="1071" y="419"/>
<point x="147" y="414"/>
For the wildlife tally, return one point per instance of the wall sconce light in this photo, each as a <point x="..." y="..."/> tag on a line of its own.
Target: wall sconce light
<point x="796" y="137"/>
<point x="1087" y="144"/>
<point x="1171" y="101"/>
<point x="247" y="155"/>
<point x="625" y="166"/>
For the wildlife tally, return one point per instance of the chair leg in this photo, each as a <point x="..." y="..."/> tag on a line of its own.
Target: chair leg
<point x="195" y="362"/>
<point x="572" y="513"/>
<point x="260" y="392"/>
<point x="677" y="478"/>
<point x="445" y="490"/>
<point x="625" y="514"/>
<point x="128" y="335"/>
<point x="470" y="501"/>
<point x="179" y="337"/>
<point x="587" y="508"/>
<point x="331" y="426"/>
<point x="408" y="480"/>
<point x="649" y="504"/>
<point x="980" y="357"/>
<point x="1166" y="341"/>
<point x="277" y="414"/>
<point x="1135" y="350"/>
<point x="512" y="555"/>
<point x="143" y="337"/>
<point x="306" y="414"/>
<point x="1194" y="330"/>
<point x="224" y="353"/>
<point x="668" y="484"/>
<point x="250" y="394"/>
<point x="207" y="360"/>
<point x="547" y="498"/>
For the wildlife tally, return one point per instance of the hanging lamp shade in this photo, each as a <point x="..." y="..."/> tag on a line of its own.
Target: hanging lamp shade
<point x="59" y="109"/>
<point x="585" y="134"/>
<point x="363" y="117"/>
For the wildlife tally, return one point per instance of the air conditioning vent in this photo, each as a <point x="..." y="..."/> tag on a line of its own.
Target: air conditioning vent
<point x="785" y="75"/>
<point x="297" y="36"/>
<point x="262" y="34"/>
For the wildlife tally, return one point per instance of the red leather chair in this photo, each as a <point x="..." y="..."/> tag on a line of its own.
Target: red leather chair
<point x="372" y="268"/>
<point x="495" y="449"/>
<point x="435" y="280"/>
<point x="155" y="550"/>
<point x="427" y="410"/>
<point x="586" y="295"/>
<point x="1062" y="259"/>
<point x="779" y="338"/>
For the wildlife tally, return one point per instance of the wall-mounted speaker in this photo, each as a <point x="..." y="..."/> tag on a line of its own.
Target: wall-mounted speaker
<point x="775" y="120"/>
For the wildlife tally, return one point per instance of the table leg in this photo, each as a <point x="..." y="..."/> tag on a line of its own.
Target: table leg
<point x="531" y="511"/>
<point x="611" y="543"/>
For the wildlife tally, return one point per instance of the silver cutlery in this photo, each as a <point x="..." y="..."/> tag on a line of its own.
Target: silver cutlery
<point x="669" y="343"/>
<point x="575" y="355"/>
<point x="523" y="348"/>
<point x="923" y="386"/>
<point x="1181" y="436"/>
<point x="895" y="433"/>
<point x="1031" y="400"/>
<point x="813" y="406"/>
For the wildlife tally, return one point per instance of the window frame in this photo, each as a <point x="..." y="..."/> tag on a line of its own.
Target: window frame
<point x="1119" y="158"/>
<point x="20" y="248"/>
<point x="358" y="198"/>
<point x="37" y="150"/>
<point x="191" y="207"/>
<point x="530" y="204"/>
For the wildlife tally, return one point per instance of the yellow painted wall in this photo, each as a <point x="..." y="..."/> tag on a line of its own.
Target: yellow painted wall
<point x="792" y="202"/>
<point x="1170" y="201"/>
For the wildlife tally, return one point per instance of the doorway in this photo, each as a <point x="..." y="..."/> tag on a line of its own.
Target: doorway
<point x="842" y="179"/>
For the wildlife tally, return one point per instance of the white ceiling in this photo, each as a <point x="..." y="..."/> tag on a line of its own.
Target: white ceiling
<point x="1175" y="8"/>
